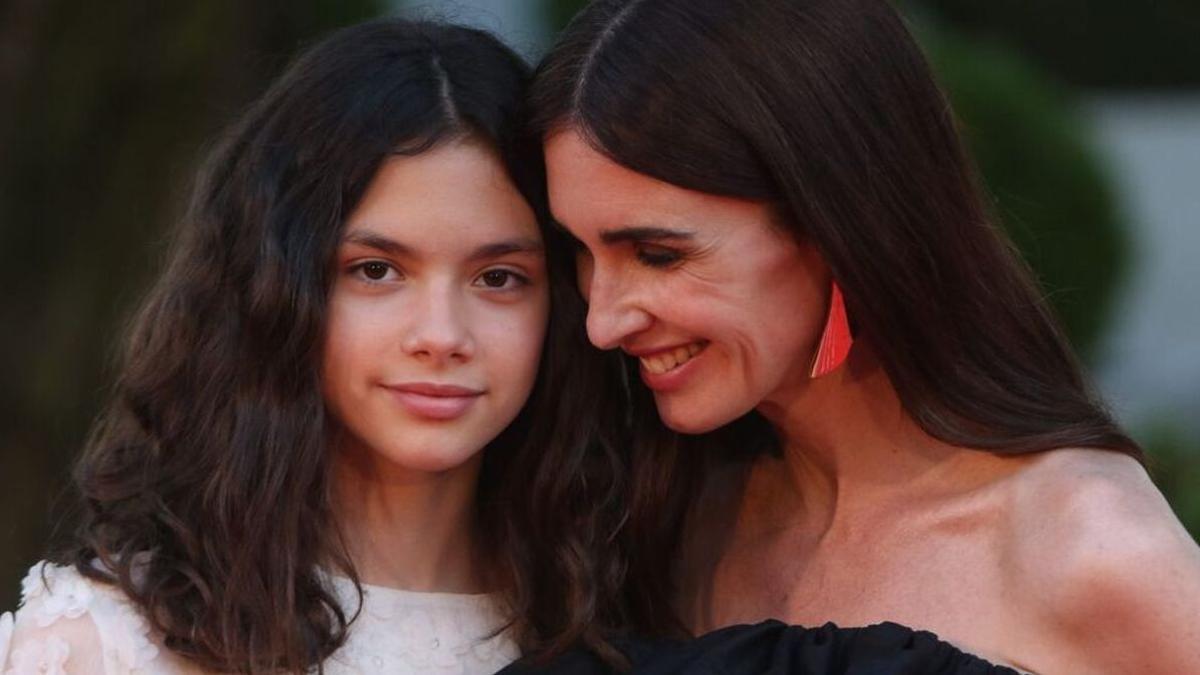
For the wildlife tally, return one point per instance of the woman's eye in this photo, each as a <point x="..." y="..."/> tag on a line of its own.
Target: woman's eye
<point x="501" y="279"/>
<point x="374" y="271"/>
<point x="657" y="256"/>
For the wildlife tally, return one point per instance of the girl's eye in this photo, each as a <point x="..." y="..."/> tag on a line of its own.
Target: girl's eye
<point x="657" y="256"/>
<point x="501" y="279"/>
<point x="373" y="271"/>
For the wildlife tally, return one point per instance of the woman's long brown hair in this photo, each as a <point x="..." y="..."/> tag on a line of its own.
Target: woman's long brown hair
<point x="206" y="482"/>
<point x="828" y="110"/>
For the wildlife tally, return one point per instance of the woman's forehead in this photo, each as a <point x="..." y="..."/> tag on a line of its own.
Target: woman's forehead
<point x="588" y="190"/>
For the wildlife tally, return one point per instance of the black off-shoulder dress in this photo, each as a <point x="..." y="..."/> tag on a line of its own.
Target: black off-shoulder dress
<point x="775" y="648"/>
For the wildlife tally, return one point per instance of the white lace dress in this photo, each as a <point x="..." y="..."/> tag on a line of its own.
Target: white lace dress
<point x="70" y="624"/>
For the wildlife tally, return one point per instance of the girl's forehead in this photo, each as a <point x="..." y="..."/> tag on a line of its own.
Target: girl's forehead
<point x="458" y="194"/>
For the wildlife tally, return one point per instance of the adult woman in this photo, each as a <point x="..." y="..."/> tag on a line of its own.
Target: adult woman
<point x="778" y="221"/>
<point x="326" y="394"/>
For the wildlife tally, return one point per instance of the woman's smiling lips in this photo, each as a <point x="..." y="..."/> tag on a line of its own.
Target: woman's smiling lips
<point x="666" y="368"/>
<point x="434" y="401"/>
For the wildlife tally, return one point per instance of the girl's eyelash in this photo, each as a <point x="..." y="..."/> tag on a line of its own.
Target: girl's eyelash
<point x="376" y="272"/>
<point x="363" y="271"/>
<point x="520" y="279"/>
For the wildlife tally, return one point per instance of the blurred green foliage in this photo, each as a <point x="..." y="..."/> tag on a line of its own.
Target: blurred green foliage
<point x="1175" y="467"/>
<point x="1046" y="180"/>
<point x="104" y="108"/>
<point x="1091" y="43"/>
<point x="559" y="12"/>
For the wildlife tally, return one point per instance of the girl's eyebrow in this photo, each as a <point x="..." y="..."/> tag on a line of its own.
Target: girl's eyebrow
<point x="378" y="242"/>
<point x="505" y="247"/>
<point x="494" y="249"/>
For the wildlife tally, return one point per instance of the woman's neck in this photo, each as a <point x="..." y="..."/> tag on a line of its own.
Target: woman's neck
<point x="851" y="450"/>
<point x="408" y="529"/>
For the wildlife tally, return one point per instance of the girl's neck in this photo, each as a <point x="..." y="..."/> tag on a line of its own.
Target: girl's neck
<point x="408" y="529"/>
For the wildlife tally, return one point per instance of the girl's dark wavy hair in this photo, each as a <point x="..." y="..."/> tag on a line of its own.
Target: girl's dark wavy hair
<point x="827" y="110"/>
<point x="205" y="484"/>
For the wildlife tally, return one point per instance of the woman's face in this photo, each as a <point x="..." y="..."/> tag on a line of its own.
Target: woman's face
<point x="438" y="309"/>
<point x="721" y="306"/>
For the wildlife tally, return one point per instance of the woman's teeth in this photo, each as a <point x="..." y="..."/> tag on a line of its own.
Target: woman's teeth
<point x="667" y="361"/>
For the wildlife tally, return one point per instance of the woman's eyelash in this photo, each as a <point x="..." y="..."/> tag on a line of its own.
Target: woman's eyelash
<point x="657" y="256"/>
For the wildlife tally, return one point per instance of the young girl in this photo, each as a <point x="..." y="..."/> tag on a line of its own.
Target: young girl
<point x="323" y="426"/>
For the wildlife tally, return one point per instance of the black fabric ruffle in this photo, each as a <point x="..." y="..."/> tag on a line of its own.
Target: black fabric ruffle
<point x="775" y="648"/>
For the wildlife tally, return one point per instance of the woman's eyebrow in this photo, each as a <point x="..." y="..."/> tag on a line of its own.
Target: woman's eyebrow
<point x="635" y="234"/>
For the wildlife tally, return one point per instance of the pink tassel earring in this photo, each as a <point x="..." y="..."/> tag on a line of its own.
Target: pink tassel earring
<point x="835" y="339"/>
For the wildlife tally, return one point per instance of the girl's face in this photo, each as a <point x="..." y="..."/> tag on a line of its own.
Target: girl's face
<point x="721" y="306"/>
<point x="438" y="309"/>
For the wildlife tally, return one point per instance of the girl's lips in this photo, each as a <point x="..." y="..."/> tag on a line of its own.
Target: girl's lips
<point x="434" y="401"/>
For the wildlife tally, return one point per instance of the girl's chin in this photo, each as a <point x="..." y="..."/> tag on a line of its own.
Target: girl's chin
<point x="412" y="459"/>
<point x="431" y="463"/>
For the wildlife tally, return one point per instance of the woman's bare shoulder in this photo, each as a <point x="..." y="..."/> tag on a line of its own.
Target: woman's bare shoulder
<point x="1100" y="556"/>
<point x="1102" y="502"/>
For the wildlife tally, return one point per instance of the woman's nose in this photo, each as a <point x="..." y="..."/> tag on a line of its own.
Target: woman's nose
<point x="614" y="312"/>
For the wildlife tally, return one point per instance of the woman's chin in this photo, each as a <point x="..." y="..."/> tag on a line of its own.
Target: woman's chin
<point x="691" y="420"/>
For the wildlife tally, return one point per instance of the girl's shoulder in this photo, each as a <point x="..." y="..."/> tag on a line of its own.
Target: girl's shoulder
<point x="68" y="622"/>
